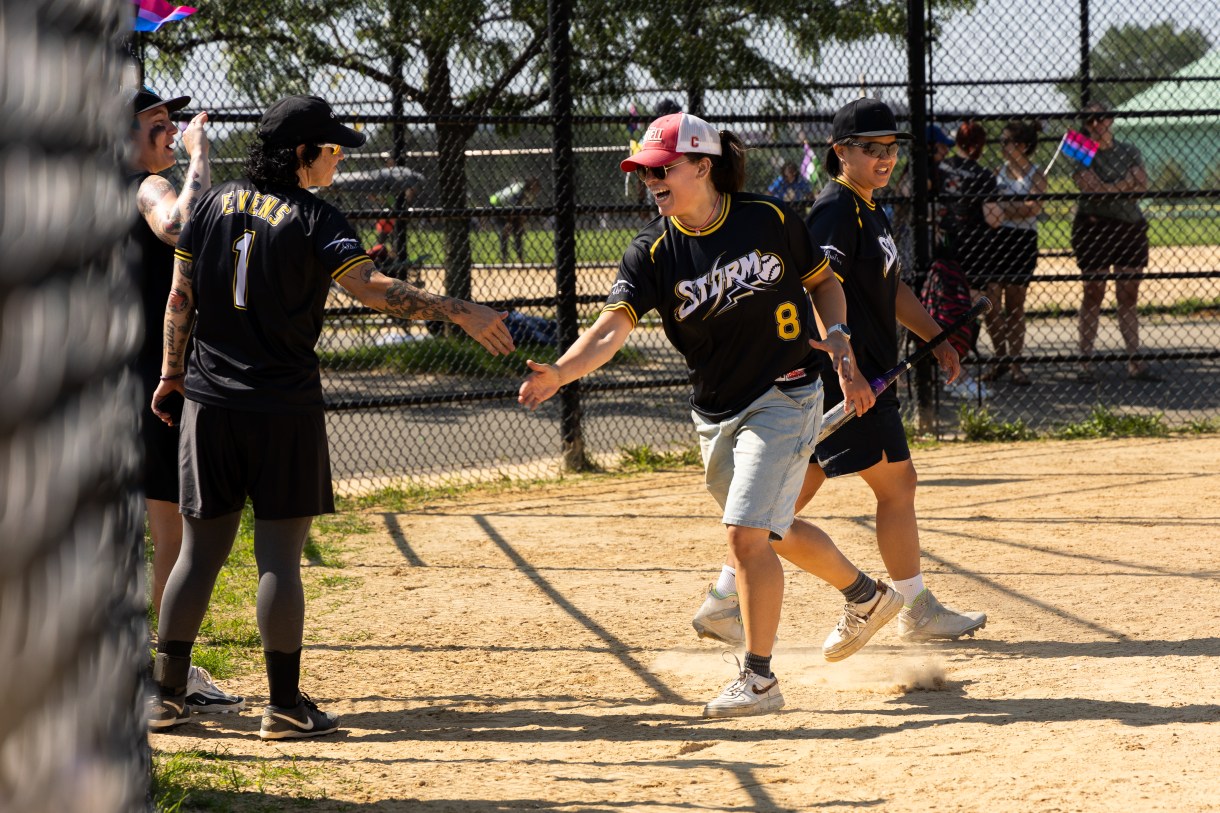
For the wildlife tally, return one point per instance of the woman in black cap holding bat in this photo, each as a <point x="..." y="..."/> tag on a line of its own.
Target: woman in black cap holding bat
<point x="856" y="236"/>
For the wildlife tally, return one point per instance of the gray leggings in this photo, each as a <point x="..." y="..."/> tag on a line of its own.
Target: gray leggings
<point x="205" y="546"/>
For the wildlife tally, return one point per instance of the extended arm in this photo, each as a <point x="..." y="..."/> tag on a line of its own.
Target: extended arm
<point x="595" y="347"/>
<point x="405" y="301"/>
<point x="830" y="306"/>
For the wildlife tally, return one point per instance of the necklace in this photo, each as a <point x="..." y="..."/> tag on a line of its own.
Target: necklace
<point x="710" y="218"/>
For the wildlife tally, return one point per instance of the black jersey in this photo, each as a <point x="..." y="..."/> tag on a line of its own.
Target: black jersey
<point x="855" y="235"/>
<point x="264" y="258"/>
<point x="731" y="298"/>
<point x="153" y="262"/>
<point x="962" y="182"/>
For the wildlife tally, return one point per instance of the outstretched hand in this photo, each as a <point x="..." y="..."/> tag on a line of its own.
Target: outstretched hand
<point x="486" y="326"/>
<point x="542" y="382"/>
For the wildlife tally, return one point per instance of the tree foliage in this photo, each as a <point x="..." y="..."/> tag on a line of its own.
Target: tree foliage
<point x="1131" y="52"/>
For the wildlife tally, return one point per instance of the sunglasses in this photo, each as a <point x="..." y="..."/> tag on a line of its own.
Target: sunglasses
<point x="657" y="172"/>
<point x="335" y="149"/>
<point x="874" y="149"/>
<point x="1098" y="119"/>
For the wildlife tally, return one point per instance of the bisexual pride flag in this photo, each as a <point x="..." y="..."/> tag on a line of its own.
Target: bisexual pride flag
<point x="1079" y="147"/>
<point x="152" y="14"/>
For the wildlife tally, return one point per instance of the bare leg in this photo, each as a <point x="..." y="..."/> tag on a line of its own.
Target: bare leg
<point x="897" y="530"/>
<point x="1014" y="312"/>
<point x="1127" y="293"/>
<point x="760" y="586"/>
<point x="1090" y="313"/>
<point x="165" y="528"/>
<point x="996" y="319"/>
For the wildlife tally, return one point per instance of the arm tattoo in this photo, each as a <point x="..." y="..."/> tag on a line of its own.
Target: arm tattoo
<point x="406" y="301"/>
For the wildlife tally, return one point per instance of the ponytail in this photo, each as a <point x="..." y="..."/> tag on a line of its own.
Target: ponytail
<point x="729" y="168"/>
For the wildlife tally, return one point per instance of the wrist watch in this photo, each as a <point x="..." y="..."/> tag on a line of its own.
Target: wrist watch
<point x="839" y="328"/>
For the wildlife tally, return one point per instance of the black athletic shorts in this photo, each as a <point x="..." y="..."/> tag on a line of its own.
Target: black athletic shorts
<point x="1014" y="256"/>
<point x="1101" y="242"/>
<point x="860" y="443"/>
<point x="280" y="460"/>
<point x="160" y="442"/>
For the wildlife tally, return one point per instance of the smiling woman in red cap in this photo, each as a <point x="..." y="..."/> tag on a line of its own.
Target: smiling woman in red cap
<point x="727" y="273"/>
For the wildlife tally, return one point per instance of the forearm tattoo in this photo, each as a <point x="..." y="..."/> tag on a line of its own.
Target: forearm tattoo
<point x="406" y="301"/>
<point x="179" y="316"/>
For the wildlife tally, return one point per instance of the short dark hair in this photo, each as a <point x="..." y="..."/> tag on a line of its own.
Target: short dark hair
<point x="267" y="164"/>
<point x="970" y="138"/>
<point x="1025" y="133"/>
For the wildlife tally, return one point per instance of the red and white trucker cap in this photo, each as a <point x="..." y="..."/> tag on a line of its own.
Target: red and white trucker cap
<point x="670" y="137"/>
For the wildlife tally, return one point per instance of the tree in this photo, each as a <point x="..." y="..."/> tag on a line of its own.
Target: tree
<point x="1132" y="52"/>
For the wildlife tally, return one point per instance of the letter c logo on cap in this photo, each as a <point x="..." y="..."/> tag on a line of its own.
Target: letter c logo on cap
<point x="694" y="142"/>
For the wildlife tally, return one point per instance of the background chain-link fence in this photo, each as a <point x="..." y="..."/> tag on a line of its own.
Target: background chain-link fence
<point x="491" y="171"/>
<point x="73" y="637"/>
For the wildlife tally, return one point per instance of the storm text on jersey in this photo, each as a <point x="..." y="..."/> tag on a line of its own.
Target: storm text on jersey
<point x="725" y="284"/>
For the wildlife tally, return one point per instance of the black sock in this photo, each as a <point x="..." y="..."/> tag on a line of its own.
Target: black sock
<point x="759" y="665"/>
<point x="862" y="589"/>
<point x="172" y="667"/>
<point x="284" y="677"/>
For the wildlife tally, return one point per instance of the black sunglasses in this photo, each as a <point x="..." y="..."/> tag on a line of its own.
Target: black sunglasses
<point x="875" y="149"/>
<point x="657" y="172"/>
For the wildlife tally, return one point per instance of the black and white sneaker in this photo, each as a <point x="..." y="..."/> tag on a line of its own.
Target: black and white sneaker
<point x="167" y="712"/>
<point x="205" y="697"/>
<point x="305" y="719"/>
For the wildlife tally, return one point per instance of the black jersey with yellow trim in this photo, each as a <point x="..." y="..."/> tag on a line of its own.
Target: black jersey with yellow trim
<point x="855" y="235"/>
<point x="731" y="297"/>
<point x="263" y="260"/>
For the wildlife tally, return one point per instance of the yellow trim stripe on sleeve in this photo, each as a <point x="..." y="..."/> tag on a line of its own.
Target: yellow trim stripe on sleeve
<point x="778" y="210"/>
<point x="349" y="265"/>
<point x="184" y="255"/>
<point x="819" y="268"/>
<point x="623" y="306"/>
<point x="652" y="250"/>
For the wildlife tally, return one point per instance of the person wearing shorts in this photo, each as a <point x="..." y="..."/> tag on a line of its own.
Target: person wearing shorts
<point x="252" y="272"/>
<point x="1014" y="254"/>
<point x="1110" y="235"/>
<point x="856" y="236"/>
<point x="731" y="276"/>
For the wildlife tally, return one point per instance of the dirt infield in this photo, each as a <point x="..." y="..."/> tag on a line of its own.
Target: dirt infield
<point x="533" y="651"/>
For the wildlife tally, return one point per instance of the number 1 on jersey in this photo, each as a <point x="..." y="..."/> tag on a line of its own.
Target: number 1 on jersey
<point x="241" y="267"/>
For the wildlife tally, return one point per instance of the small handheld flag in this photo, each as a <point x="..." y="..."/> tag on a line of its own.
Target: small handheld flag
<point x="152" y="14"/>
<point x="1076" y="146"/>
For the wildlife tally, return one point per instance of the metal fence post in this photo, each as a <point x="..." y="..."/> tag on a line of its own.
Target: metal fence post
<point x="563" y="168"/>
<point x="917" y="99"/>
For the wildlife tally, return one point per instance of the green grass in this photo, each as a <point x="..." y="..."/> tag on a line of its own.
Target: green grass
<point x="1104" y="422"/>
<point x="208" y="780"/>
<point x="452" y="355"/>
<point x="592" y="246"/>
<point x="981" y="425"/>
<point x="644" y="458"/>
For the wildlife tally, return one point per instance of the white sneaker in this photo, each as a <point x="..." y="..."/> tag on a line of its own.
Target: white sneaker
<point x="855" y="627"/>
<point x="205" y="697"/>
<point x="720" y="619"/>
<point x="748" y="694"/>
<point x="967" y="387"/>
<point x="927" y="618"/>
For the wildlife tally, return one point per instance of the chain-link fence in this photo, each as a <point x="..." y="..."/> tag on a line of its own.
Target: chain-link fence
<point x="491" y="172"/>
<point x="73" y="637"/>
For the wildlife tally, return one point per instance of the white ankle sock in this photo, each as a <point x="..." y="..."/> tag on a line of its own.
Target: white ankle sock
<point x="910" y="588"/>
<point x="726" y="585"/>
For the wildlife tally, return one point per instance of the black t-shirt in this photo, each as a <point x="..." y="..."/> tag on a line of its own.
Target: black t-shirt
<point x="153" y="262"/>
<point x="731" y="298"/>
<point x="856" y="237"/>
<point x="961" y="181"/>
<point x="264" y="258"/>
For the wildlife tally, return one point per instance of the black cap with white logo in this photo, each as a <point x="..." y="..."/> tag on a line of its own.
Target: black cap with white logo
<point x="865" y="117"/>
<point x="305" y="120"/>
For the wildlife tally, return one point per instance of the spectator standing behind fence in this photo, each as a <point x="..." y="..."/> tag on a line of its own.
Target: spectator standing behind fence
<point x="1110" y="232"/>
<point x="731" y="275"/>
<point x="162" y="213"/>
<point x="509" y="224"/>
<point x="791" y="188"/>
<point x="1014" y="254"/>
<point x="965" y="235"/>
<point x="252" y="272"/>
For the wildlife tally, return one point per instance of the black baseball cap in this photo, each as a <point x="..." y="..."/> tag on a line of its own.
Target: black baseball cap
<point x="305" y="120"/>
<point x="146" y="99"/>
<point x="865" y="117"/>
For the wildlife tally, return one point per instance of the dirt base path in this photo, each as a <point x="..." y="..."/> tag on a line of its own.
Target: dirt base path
<point x="533" y="651"/>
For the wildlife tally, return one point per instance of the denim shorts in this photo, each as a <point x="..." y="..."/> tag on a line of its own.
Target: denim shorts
<point x="754" y="462"/>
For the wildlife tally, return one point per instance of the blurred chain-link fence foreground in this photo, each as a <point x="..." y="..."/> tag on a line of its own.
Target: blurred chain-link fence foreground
<point x="491" y="171"/>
